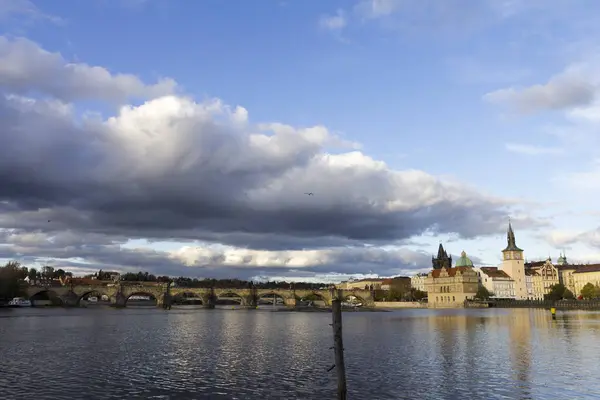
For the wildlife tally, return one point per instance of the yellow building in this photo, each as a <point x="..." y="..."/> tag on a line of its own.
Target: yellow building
<point x="450" y="287"/>
<point x="585" y="274"/>
<point x="363" y="284"/>
<point x="418" y="282"/>
<point x="544" y="275"/>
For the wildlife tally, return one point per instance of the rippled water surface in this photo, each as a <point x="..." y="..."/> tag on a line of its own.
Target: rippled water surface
<point x="256" y="354"/>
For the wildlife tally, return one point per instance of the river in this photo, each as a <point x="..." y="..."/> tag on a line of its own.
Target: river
<point x="148" y="353"/>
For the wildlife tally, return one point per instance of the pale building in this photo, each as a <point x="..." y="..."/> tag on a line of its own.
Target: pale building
<point x="529" y="284"/>
<point x="544" y="275"/>
<point x="496" y="282"/>
<point x="363" y="284"/>
<point x="513" y="264"/>
<point x="450" y="287"/>
<point x="418" y="282"/>
<point x="565" y="276"/>
<point x="586" y="274"/>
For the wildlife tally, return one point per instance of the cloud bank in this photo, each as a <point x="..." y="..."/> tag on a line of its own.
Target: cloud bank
<point x="78" y="187"/>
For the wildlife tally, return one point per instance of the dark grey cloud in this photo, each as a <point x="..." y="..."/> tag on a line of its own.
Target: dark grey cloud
<point x="174" y="169"/>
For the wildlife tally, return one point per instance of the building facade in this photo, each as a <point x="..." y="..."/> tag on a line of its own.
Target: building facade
<point x="529" y="284"/>
<point x="418" y="282"/>
<point x="544" y="275"/>
<point x="363" y="284"/>
<point x="450" y="287"/>
<point x="497" y="282"/>
<point x="586" y="274"/>
<point x="513" y="264"/>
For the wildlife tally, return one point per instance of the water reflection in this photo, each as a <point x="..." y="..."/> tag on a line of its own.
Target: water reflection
<point x="257" y="354"/>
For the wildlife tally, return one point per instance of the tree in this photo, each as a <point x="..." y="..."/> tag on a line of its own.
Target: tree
<point x="568" y="295"/>
<point x="32" y="274"/>
<point x="47" y="273"/>
<point x="60" y="273"/>
<point x="10" y="280"/>
<point x="482" y="293"/>
<point x="394" y="295"/>
<point x="417" y="294"/>
<point x="589" y="291"/>
<point x="557" y="292"/>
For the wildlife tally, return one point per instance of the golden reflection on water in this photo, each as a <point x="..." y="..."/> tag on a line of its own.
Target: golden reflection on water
<point x="482" y="343"/>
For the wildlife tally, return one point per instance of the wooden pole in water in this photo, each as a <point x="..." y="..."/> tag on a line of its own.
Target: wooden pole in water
<point x="338" y="347"/>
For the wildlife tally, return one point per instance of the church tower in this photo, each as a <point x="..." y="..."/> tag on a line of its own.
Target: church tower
<point x="513" y="265"/>
<point x="442" y="260"/>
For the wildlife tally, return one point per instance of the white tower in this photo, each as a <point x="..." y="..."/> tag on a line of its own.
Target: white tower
<point x="513" y="264"/>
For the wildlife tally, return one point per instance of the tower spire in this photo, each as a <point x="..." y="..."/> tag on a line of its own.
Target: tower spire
<point x="510" y="239"/>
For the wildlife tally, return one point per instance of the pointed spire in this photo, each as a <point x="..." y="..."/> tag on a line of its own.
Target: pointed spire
<point x="441" y="251"/>
<point x="510" y="238"/>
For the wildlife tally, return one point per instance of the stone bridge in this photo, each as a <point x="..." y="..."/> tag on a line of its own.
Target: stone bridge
<point x="119" y="293"/>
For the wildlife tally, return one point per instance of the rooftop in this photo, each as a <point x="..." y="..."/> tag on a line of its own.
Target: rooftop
<point x="494" y="272"/>
<point x="581" y="269"/>
<point x="451" y="271"/>
<point x="464" y="261"/>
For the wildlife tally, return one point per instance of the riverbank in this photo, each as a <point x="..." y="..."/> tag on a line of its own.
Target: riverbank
<point x="399" y="304"/>
<point x="328" y="310"/>
<point x="589" y="305"/>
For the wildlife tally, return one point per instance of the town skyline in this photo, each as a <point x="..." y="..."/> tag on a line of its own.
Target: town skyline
<point x="164" y="146"/>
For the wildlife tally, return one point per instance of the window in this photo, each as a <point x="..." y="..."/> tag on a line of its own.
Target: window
<point x="453" y="298"/>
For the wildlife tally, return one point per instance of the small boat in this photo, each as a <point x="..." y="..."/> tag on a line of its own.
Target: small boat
<point x="351" y="305"/>
<point x="19" y="302"/>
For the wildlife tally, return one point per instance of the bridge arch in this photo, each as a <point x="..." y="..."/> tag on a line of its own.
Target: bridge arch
<point x="353" y="298"/>
<point x="45" y="297"/>
<point x="268" y="298"/>
<point x="92" y="293"/>
<point x="230" y="298"/>
<point x="133" y="296"/>
<point x="188" y="298"/>
<point x="317" y="297"/>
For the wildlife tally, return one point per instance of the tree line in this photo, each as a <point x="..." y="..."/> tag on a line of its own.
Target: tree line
<point x="205" y="283"/>
<point x="13" y="276"/>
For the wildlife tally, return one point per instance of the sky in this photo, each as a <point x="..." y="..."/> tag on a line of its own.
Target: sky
<point x="180" y="137"/>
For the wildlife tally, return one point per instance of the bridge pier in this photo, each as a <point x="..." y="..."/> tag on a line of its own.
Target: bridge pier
<point x="119" y="301"/>
<point x="290" y="302"/>
<point x="70" y="299"/>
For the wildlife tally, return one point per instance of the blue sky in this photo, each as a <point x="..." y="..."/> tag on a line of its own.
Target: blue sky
<point x="414" y="82"/>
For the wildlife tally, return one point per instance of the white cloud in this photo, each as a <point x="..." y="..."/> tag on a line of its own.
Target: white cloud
<point x="378" y="8"/>
<point x="25" y="9"/>
<point x="25" y="67"/>
<point x="334" y="22"/>
<point x="575" y="87"/>
<point x="532" y="150"/>
<point x="562" y="238"/>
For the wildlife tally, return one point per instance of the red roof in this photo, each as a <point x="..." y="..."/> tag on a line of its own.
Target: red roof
<point x="587" y="268"/>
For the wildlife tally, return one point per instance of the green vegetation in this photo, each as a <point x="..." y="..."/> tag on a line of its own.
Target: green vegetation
<point x="590" y="291"/>
<point x="559" y="292"/>
<point x="399" y="294"/>
<point x="483" y="293"/>
<point x="11" y="280"/>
